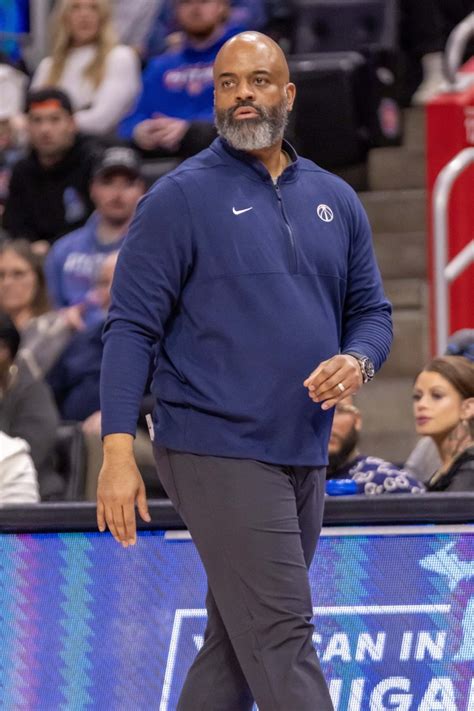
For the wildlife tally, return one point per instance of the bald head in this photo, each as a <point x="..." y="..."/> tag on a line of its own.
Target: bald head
<point x="252" y="92"/>
<point x="258" y="49"/>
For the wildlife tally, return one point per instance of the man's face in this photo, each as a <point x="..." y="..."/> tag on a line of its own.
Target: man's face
<point x="116" y="195"/>
<point x="252" y="96"/>
<point x="345" y="430"/>
<point x="200" y="18"/>
<point x="51" y="128"/>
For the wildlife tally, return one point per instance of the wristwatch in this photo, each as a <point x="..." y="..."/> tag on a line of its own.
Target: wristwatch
<point x="365" y="364"/>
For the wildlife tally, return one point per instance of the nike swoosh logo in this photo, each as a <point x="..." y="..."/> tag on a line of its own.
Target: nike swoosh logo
<point x="239" y="212"/>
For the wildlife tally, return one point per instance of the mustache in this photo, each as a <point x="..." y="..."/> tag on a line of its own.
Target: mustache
<point x="246" y="104"/>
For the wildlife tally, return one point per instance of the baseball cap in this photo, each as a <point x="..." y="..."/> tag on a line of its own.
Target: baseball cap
<point x="462" y="343"/>
<point x="118" y="159"/>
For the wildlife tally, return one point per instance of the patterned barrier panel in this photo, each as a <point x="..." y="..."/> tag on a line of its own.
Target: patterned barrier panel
<point x="88" y="625"/>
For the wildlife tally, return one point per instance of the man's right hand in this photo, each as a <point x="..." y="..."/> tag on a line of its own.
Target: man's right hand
<point x="146" y="134"/>
<point x="120" y="486"/>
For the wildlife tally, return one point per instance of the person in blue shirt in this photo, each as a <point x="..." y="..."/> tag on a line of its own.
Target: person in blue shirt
<point x="248" y="279"/>
<point x="72" y="263"/>
<point x="174" y="114"/>
<point x="244" y="14"/>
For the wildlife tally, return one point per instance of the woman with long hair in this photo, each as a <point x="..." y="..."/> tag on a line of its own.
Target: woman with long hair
<point x="443" y="404"/>
<point x="24" y="299"/>
<point x="101" y="77"/>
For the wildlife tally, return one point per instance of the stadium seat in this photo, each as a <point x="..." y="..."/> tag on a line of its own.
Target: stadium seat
<point x="329" y="122"/>
<point x="70" y="460"/>
<point x="342" y="25"/>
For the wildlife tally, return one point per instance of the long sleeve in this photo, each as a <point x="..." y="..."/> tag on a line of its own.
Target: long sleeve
<point x="152" y="268"/>
<point x="15" y="215"/>
<point x="115" y="95"/>
<point x="53" y="269"/>
<point x="147" y="103"/>
<point x="367" y="323"/>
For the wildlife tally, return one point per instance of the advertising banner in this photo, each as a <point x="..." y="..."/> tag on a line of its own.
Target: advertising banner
<point x="88" y="625"/>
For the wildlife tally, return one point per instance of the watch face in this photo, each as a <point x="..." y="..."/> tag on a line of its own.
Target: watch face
<point x="369" y="368"/>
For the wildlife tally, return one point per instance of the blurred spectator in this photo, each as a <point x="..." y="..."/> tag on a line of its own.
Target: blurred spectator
<point x="27" y="410"/>
<point x="49" y="189"/>
<point x="133" y="20"/>
<point x="373" y="475"/>
<point x="443" y="397"/>
<point x="12" y="88"/>
<point x="74" y="260"/>
<point x="424" y="460"/>
<point x="23" y="297"/>
<point x="165" y="31"/>
<point x="174" y="114"/>
<point x="75" y="381"/>
<point x="18" y="478"/>
<point x="101" y="76"/>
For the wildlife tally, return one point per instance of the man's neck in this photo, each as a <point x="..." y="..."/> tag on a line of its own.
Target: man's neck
<point x="203" y="42"/>
<point x="273" y="158"/>
<point x="50" y="161"/>
<point x="110" y="232"/>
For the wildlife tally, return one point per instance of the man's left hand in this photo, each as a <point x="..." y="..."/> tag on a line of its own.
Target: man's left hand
<point x="333" y="380"/>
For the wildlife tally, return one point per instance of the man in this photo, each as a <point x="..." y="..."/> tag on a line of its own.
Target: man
<point x="371" y="474"/>
<point x="49" y="189"/>
<point x="264" y="295"/>
<point x="72" y="263"/>
<point x="174" y="115"/>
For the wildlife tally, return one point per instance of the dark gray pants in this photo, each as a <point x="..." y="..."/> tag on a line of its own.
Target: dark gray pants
<point x="255" y="527"/>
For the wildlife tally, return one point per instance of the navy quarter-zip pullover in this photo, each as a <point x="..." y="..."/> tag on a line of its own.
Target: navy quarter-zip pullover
<point x="246" y="286"/>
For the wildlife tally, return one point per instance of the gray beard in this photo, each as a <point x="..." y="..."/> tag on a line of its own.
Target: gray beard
<point x="253" y="134"/>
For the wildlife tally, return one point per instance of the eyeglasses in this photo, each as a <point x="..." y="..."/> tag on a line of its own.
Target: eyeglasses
<point x="15" y="274"/>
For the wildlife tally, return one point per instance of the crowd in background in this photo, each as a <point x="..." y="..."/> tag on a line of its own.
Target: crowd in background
<point x="126" y="82"/>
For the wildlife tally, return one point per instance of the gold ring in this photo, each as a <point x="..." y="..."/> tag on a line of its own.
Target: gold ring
<point x="341" y="387"/>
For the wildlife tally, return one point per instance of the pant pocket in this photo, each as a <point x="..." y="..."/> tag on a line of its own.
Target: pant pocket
<point x="166" y="475"/>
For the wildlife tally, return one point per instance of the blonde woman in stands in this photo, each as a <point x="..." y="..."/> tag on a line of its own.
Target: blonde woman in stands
<point x="443" y="406"/>
<point x="101" y="76"/>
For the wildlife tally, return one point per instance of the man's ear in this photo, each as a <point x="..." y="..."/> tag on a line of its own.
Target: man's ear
<point x="290" y="91"/>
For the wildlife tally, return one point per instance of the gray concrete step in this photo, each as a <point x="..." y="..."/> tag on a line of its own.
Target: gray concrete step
<point x="410" y="346"/>
<point x="406" y="293"/>
<point x="414" y="127"/>
<point x="397" y="211"/>
<point x="397" y="168"/>
<point x="388" y="428"/>
<point x="386" y="407"/>
<point x="401" y="254"/>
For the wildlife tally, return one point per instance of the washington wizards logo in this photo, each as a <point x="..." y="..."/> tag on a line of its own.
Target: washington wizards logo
<point x="325" y="213"/>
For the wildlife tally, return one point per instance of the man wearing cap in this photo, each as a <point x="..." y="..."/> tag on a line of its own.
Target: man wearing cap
<point x="73" y="261"/>
<point x="55" y="174"/>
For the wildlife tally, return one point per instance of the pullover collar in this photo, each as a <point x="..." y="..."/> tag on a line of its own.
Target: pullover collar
<point x="225" y="150"/>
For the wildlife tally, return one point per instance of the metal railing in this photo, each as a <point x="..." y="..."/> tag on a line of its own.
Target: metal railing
<point x="445" y="272"/>
<point x="455" y="47"/>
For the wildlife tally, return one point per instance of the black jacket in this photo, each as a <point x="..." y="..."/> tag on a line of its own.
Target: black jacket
<point x="459" y="477"/>
<point x="27" y="410"/>
<point x="46" y="203"/>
